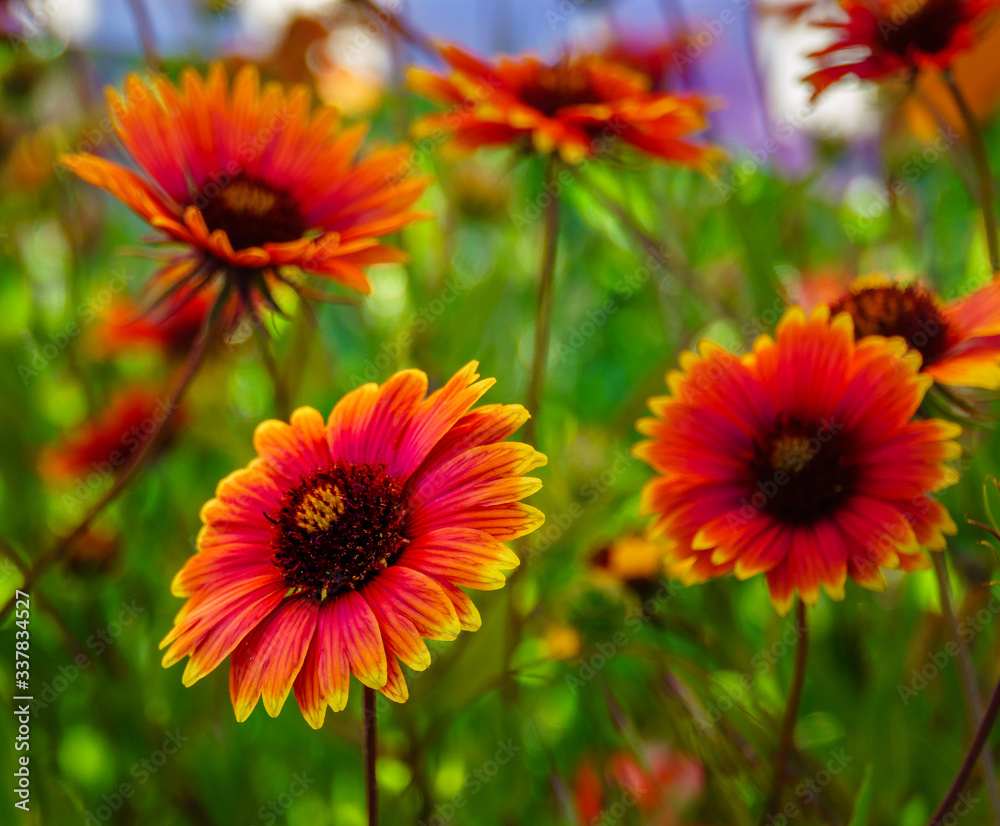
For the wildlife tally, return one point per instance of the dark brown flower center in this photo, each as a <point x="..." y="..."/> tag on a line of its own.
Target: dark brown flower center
<point x="250" y="212"/>
<point x="927" y="27"/>
<point x="558" y="86"/>
<point x="909" y="312"/>
<point x="801" y="471"/>
<point x="338" y="528"/>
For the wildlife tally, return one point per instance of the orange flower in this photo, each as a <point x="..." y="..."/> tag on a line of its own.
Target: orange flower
<point x="577" y="107"/>
<point x="799" y="460"/>
<point x="959" y="341"/>
<point x="343" y="545"/>
<point x="881" y="38"/>
<point x="104" y="445"/>
<point x="662" y="783"/>
<point x="251" y="185"/>
<point x="172" y="328"/>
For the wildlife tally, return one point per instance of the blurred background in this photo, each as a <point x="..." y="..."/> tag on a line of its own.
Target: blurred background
<point x="598" y="690"/>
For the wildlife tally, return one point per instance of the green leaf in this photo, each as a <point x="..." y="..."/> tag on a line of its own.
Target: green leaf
<point x="863" y="801"/>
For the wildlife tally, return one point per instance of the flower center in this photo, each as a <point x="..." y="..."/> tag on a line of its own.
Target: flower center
<point x="251" y="212"/>
<point x="558" y="86"/>
<point x="338" y="528"/>
<point x="801" y="471"/>
<point x="909" y="312"/>
<point x="928" y="29"/>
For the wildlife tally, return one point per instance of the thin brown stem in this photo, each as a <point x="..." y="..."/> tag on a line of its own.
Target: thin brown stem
<point x="371" y="753"/>
<point x="791" y="712"/>
<point x="137" y="460"/>
<point x="977" y="146"/>
<point x="543" y="312"/>
<point x="982" y="735"/>
<point x="145" y="33"/>
<point x="967" y="678"/>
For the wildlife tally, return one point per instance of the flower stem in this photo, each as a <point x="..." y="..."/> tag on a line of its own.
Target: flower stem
<point x="982" y="734"/>
<point x="145" y="33"/>
<point x="137" y="460"/>
<point x="967" y="677"/>
<point x="371" y="753"/>
<point x="543" y="312"/>
<point x="791" y="711"/>
<point x="978" y="148"/>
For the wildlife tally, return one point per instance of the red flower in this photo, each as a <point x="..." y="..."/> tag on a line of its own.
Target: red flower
<point x="881" y="38"/>
<point x="799" y="460"/>
<point x="345" y="544"/>
<point x="572" y="107"/>
<point x="250" y="184"/>
<point x="103" y="445"/>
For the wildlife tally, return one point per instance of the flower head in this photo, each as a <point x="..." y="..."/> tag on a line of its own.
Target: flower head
<point x="251" y="186"/>
<point x="344" y="545"/>
<point x="881" y="38"/>
<point x="576" y="106"/>
<point x="799" y="460"/>
<point x="661" y="781"/>
<point x="171" y="328"/>
<point x="104" y="444"/>
<point x="958" y="341"/>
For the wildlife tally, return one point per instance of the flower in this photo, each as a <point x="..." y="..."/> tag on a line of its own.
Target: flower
<point x="661" y="781"/>
<point x="251" y="185"/>
<point x="341" y="546"/>
<point x="103" y="445"/>
<point x="881" y="38"/>
<point x="798" y="460"/>
<point x="577" y="107"/>
<point x="958" y="341"/>
<point x="172" y="328"/>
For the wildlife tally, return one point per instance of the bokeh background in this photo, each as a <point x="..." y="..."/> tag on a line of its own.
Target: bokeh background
<point x="594" y="673"/>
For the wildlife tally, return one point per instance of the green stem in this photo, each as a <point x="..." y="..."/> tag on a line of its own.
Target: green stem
<point x="791" y="712"/>
<point x="543" y="312"/>
<point x="967" y="678"/>
<point x="985" y="179"/>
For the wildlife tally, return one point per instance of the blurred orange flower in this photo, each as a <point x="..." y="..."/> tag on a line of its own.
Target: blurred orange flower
<point x="578" y="107"/>
<point x="661" y="783"/>
<point x="958" y="341"/>
<point x="172" y="327"/>
<point x="881" y="38"/>
<point x="799" y="460"/>
<point x="103" y="445"/>
<point x="345" y="544"/>
<point x="251" y="185"/>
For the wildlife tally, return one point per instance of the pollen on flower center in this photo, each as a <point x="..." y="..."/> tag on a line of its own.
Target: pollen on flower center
<point x="928" y="29"/>
<point x="802" y="469"/>
<point x="251" y="212"/>
<point x="910" y="312"/>
<point x="338" y="528"/>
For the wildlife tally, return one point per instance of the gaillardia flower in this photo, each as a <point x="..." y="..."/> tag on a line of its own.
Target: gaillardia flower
<point x="578" y="107"/>
<point x="798" y="460"/>
<point x="881" y="38"/>
<point x="251" y="186"/>
<point x="344" y="545"/>
<point x="958" y="341"/>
